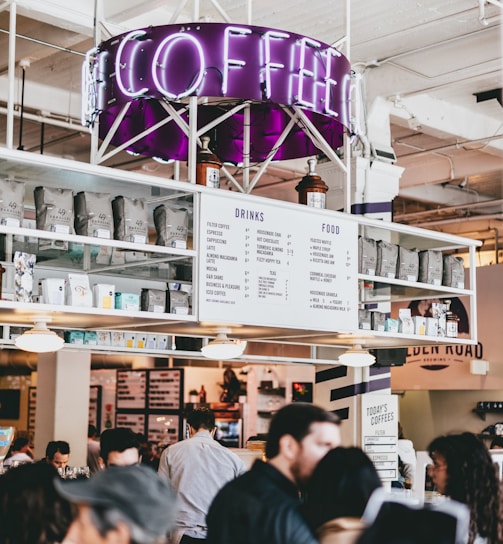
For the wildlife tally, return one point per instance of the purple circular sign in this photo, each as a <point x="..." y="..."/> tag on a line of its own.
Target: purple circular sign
<point x="272" y="70"/>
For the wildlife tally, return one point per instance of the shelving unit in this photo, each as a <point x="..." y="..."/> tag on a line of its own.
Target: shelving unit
<point x="154" y="266"/>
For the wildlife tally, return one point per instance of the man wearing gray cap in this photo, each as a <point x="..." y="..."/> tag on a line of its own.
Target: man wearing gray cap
<point x="120" y="505"/>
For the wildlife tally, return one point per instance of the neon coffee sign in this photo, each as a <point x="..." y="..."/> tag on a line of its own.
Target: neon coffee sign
<point x="229" y="64"/>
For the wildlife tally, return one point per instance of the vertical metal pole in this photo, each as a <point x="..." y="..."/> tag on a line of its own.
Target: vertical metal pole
<point x="21" y="112"/>
<point x="192" y="158"/>
<point x="246" y="147"/>
<point x="249" y="12"/>
<point x="98" y="15"/>
<point x="12" y="76"/>
<point x="347" y="140"/>
<point x="42" y="138"/>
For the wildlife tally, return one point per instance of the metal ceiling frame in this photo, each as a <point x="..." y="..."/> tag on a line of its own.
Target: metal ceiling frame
<point x="297" y="117"/>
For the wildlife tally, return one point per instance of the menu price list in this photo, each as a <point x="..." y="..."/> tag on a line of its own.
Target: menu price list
<point x="131" y="389"/>
<point x="277" y="266"/>
<point x="135" y="422"/>
<point x="164" y="429"/>
<point x="164" y="390"/>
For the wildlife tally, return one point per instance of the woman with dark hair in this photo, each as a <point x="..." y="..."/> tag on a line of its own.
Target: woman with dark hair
<point x="337" y="494"/>
<point x="31" y="510"/>
<point x="463" y="470"/>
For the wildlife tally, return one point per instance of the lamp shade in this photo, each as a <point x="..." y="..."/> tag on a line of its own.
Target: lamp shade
<point x="39" y="339"/>
<point x="223" y="348"/>
<point x="357" y="357"/>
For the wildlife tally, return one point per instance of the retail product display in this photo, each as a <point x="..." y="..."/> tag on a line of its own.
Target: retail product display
<point x="378" y="321"/>
<point x="153" y="300"/>
<point x="104" y="295"/>
<point x="312" y="189"/>
<point x="11" y="202"/>
<point x="93" y="214"/>
<point x="52" y="291"/>
<point x="431" y="266"/>
<point x="451" y="321"/>
<point x="24" y="264"/>
<point x="54" y="213"/>
<point x="208" y="166"/>
<point x="407" y="266"/>
<point x="406" y="325"/>
<point x="367" y="252"/>
<point x="419" y="324"/>
<point x="364" y="319"/>
<point x="454" y="273"/>
<point x="387" y="255"/>
<point x="127" y="301"/>
<point x="177" y="302"/>
<point x="439" y="313"/>
<point x="79" y="291"/>
<point x="171" y="226"/>
<point x="130" y="219"/>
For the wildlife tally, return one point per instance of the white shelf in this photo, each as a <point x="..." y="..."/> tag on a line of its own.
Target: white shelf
<point x="43" y="170"/>
<point x="73" y="317"/>
<point x="397" y="290"/>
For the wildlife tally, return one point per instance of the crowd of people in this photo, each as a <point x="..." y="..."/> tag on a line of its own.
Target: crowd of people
<point x="307" y="490"/>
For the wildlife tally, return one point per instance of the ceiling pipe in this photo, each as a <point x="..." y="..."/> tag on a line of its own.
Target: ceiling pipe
<point x="470" y="206"/>
<point x="440" y="222"/>
<point x="450" y="146"/>
<point x="496" y="243"/>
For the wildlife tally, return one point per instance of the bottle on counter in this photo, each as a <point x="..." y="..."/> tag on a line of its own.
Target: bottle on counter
<point x="312" y="188"/>
<point x="202" y="395"/>
<point x="208" y="166"/>
<point x="451" y="322"/>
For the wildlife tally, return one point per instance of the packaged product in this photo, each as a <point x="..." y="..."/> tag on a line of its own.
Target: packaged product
<point x="454" y="272"/>
<point x="24" y="264"/>
<point x="407" y="267"/>
<point x="11" y="202"/>
<point x="153" y="300"/>
<point x="406" y="325"/>
<point x="172" y="226"/>
<point x="367" y="256"/>
<point x="104" y="295"/>
<point x="364" y="319"/>
<point x="79" y="290"/>
<point x="53" y="290"/>
<point x="378" y="321"/>
<point x="130" y="219"/>
<point x="387" y="255"/>
<point x="431" y="266"/>
<point x="54" y="213"/>
<point x="93" y="214"/>
<point x="177" y="302"/>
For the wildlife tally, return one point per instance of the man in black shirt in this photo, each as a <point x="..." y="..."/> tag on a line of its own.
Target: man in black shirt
<point x="262" y="505"/>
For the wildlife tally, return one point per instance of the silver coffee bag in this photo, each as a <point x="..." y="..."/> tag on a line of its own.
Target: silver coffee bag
<point x="130" y="219"/>
<point x="171" y="226"/>
<point x="54" y="209"/>
<point x="11" y="202"/>
<point x="93" y="214"/>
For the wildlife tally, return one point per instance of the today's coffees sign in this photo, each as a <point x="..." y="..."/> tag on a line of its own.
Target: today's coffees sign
<point x="269" y="68"/>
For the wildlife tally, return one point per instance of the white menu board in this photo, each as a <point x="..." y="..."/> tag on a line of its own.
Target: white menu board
<point x="265" y="264"/>
<point x="380" y="433"/>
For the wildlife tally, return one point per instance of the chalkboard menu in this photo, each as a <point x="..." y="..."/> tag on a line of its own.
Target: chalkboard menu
<point x="131" y="389"/>
<point x="164" y="390"/>
<point x="150" y="401"/>
<point x="264" y="264"/>
<point x="164" y="428"/>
